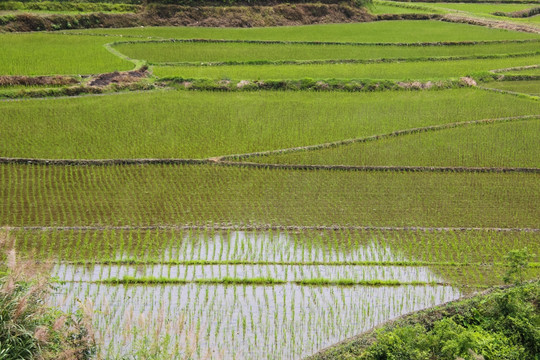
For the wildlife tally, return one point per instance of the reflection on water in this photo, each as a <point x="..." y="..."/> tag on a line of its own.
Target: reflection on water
<point x="245" y="321"/>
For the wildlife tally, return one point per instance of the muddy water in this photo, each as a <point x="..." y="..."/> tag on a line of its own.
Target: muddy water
<point x="244" y="321"/>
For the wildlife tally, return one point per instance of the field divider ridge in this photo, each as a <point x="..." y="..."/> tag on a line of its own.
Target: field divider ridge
<point x="344" y="43"/>
<point x="349" y="61"/>
<point x="374" y="138"/>
<point x="228" y="160"/>
<point x="515" y="68"/>
<point x="286" y="263"/>
<point x="267" y="227"/>
<point x="514" y="93"/>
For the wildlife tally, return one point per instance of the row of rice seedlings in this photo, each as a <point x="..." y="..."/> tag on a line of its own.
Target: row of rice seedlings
<point x="372" y="32"/>
<point x="203" y="52"/>
<point x="54" y="54"/>
<point x="191" y="273"/>
<point x="103" y="128"/>
<point x="272" y="247"/>
<point x="266" y="322"/>
<point x="511" y="144"/>
<point x="416" y="70"/>
<point x="207" y="194"/>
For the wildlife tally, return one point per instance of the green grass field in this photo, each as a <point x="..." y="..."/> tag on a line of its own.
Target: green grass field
<point x="52" y="54"/>
<point x="277" y="255"/>
<point x="155" y="195"/>
<point x="164" y="52"/>
<point x="383" y="31"/>
<point x="531" y="87"/>
<point x="511" y="144"/>
<point x="148" y="126"/>
<point x="414" y="70"/>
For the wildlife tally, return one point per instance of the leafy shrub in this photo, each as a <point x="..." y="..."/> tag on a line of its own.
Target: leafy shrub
<point x="502" y="326"/>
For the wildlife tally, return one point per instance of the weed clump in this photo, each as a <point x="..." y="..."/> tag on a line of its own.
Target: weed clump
<point x="30" y="329"/>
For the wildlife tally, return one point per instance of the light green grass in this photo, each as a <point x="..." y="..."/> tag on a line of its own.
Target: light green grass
<point x="415" y="70"/>
<point x="143" y="195"/>
<point x="513" y="144"/>
<point x="531" y="87"/>
<point x="480" y="9"/>
<point x="54" y="54"/>
<point x="184" y="124"/>
<point x="241" y="52"/>
<point x="381" y="31"/>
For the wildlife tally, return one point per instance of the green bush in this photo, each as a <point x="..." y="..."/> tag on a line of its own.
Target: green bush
<point x="504" y="325"/>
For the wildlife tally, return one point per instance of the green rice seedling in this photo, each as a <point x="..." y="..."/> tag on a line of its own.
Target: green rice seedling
<point x="384" y="31"/>
<point x="405" y="71"/>
<point x="496" y="145"/>
<point x="156" y="52"/>
<point x="53" y="54"/>
<point x="530" y="87"/>
<point x="249" y="122"/>
<point x="132" y="193"/>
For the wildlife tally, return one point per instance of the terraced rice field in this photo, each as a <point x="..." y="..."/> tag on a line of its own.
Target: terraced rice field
<point x="260" y="223"/>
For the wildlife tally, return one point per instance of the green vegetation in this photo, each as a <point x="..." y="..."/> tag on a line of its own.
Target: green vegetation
<point x="103" y="127"/>
<point x="414" y="70"/>
<point x="64" y="6"/>
<point x="373" y="32"/>
<point x="499" y="325"/>
<point x="531" y="87"/>
<point x="512" y="144"/>
<point x="532" y="71"/>
<point x="480" y="8"/>
<point x="146" y="195"/>
<point x="387" y="7"/>
<point x="279" y="190"/>
<point x="29" y="328"/>
<point x="341" y="247"/>
<point x="197" y="52"/>
<point x="52" y="54"/>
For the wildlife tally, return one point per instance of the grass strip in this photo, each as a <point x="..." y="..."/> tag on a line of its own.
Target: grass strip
<point x="288" y="263"/>
<point x="164" y="280"/>
<point x="130" y="280"/>
<point x="348" y="61"/>
<point x="268" y="227"/>
<point x="316" y="43"/>
<point x="377" y="137"/>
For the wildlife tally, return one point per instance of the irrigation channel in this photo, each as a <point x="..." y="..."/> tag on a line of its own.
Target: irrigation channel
<point x="278" y="308"/>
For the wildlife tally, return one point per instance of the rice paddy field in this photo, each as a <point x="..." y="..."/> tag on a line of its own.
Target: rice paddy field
<point x="255" y="222"/>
